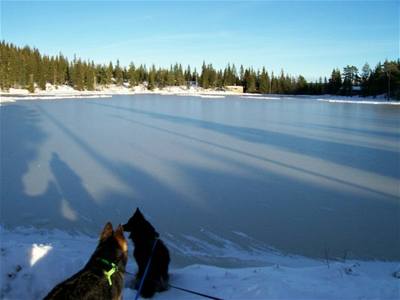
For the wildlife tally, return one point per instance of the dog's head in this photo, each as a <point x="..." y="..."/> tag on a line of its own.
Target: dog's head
<point x="112" y="244"/>
<point x="139" y="228"/>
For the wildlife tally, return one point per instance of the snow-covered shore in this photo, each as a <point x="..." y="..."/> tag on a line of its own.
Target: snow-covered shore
<point x="33" y="261"/>
<point x="67" y="92"/>
<point x="357" y="100"/>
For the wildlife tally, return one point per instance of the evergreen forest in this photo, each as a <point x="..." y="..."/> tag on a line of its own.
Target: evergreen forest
<point x="26" y="67"/>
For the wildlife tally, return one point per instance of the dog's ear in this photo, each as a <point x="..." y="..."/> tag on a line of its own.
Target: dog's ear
<point x="138" y="213"/>
<point x="119" y="236"/>
<point x="107" y="232"/>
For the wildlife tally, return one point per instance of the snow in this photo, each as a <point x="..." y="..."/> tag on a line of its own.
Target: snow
<point x="33" y="261"/>
<point x="381" y="99"/>
<point x="261" y="97"/>
<point x="57" y="97"/>
<point x="38" y="251"/>
<point x="211" y="96"/>
<point x="67" y="92"/>
<point x="6" y="99"/>
<point x="360" y="101"/>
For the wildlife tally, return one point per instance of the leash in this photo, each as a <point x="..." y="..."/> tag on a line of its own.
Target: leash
<point x="170" y="285"/>
<point x="146" y="270"/>
<point x="193" y="292"/>
<point x="184" y="290"/>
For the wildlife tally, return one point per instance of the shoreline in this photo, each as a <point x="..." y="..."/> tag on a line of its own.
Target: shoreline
<point x="29" y="254"/>
<point x="67" y="92"/>
<point x="64" y="91"/>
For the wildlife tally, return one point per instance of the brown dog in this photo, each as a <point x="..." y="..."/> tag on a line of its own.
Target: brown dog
<point x="103" y="275"/>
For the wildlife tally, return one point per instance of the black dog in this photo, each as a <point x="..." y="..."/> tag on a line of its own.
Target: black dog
<point x="103" y="275"/>
<point x="144" y="236"/>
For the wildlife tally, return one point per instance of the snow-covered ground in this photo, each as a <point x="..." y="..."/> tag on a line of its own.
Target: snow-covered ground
<point x="67" y="92"/>
<point x="34" y="261"/>
<point x="359" y="100"/>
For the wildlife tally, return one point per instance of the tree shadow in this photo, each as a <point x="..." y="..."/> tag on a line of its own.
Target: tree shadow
<point x="358" y="131"/>
<point x="301" y="218"/>
<point x="21" y="138"/>
<point x="146" y="190"/>
<point x="65" y="203"/>
<point x="291" y="208"/>
<point x="79" y="209"/>
<point x="261" y="158"/>
<point x="360" y="157"/>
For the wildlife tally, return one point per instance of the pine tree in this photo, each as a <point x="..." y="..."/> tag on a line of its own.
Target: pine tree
<point x="125" y="76"/>
<point x="249" y="81"/>
<point x="274" y="84"/>
<point x="204" y="80"/>
<point x="180" y="79"/>
<point x="335" y="82"/>
<point x="31" y="84"/>
<point x="282" y="88"/>
<point x="109" y="74"/>
<point x="392" y="78"/>
<point x="263" y="82"/>
<point x="132" y="74"/>
<point x="90" y="76"/>
<point x="350" y="74"/>
<point x="219" y="82"/>
<point x="365" y="77"/>
<point x="78" y="77"/>
<point x="118" y="75"/>
<point x="301" y="86"/>
<point x="41" y="76"/>
<point x="151" y="81"/>
<point x="212" y="76"/>
<point x="188" y="74"/>
<point x="241" y="75"/>
<point x="233" y="79"/>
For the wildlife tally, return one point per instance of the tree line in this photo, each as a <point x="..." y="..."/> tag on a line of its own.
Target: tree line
<point x="26" y="67"/>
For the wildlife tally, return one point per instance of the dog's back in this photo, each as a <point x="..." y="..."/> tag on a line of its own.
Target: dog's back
<point x="103" y="275"/>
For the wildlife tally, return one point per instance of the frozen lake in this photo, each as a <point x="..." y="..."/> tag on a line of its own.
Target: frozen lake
<point x="222" y="180"/>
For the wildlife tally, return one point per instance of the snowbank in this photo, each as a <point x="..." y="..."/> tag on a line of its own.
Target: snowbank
<point x="67" y="92"/>
<point x="6" y="99"/>
<point x="33" y="261"/>
<point x="381" y="99"/>
<point x="13" y="99"/>
<point x="359" y="101"/>
<point x="261" y="97"/>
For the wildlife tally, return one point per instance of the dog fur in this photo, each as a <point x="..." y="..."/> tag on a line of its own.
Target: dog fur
<point x="143" y="236"/>
<point x="90" y="282"/>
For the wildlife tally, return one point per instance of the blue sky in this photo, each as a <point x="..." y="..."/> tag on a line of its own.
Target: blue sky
<point x="302" y="37"/>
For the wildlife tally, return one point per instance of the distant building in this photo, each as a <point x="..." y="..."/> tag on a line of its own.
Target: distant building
<point x="192" y="84"/>
<point x="234" y="88"/>
<point x="356" y="90"/>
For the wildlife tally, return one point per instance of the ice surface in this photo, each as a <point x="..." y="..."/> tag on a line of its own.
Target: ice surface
<point x="296" y="175"/>
<point x="229" y="183"/>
